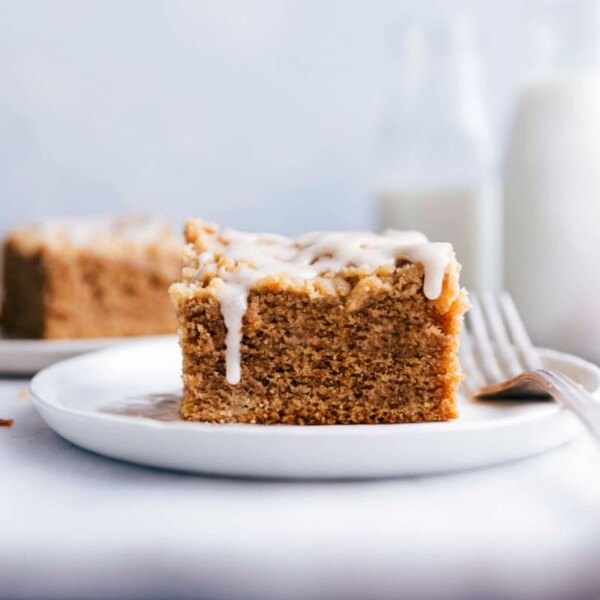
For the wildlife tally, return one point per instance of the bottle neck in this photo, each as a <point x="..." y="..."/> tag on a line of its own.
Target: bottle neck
<point x="435" y="116"/>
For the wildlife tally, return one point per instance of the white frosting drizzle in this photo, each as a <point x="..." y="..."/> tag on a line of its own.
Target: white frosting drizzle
<point x="307" y="257"/>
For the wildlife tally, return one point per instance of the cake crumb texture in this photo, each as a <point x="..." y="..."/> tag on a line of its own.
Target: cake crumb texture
<point x="358" y="346"/>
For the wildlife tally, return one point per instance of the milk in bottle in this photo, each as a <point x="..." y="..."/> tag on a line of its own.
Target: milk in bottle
<point x="552" y="188"/>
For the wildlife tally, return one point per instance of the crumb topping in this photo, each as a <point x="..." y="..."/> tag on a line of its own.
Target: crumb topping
<point x="230" y="263"/>
<point x="109" y="234"/>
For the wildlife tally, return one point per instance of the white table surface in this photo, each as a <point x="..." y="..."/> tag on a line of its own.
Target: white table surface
<point x="76" y="525"/>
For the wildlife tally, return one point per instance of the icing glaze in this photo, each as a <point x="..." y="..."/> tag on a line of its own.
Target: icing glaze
<point x="308" y="256"/>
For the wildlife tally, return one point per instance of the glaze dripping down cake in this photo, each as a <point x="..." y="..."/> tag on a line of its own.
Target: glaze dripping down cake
<point x="90" y="277"/>
<point x="325" y="328"/>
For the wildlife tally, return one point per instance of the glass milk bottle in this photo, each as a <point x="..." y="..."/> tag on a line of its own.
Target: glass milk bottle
<point x="552" y="183"/>
<point x="436" y="171"/>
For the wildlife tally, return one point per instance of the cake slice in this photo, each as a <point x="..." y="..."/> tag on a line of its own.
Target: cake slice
<point x="87" y="278"/>
<point x="325" y="328"/>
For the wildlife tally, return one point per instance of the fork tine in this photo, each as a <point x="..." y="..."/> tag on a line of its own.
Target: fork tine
<point x="482" y="343"/>
<point x="504" y="349"/>
<point x="474" y="378"/>
<point x="518" y="333"/>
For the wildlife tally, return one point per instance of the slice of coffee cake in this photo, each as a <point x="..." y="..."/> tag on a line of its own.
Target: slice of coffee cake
<point x="96" y="277"/>
<point x="324" y="328"/>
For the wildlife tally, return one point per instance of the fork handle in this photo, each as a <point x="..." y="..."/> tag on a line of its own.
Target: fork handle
<point x="550" y="382"/>
<point x="574" y="396"/>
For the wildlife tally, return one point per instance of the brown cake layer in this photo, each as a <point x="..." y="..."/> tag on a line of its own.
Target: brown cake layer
<point x="351" y="347"/>
<point x="106" y="287"/>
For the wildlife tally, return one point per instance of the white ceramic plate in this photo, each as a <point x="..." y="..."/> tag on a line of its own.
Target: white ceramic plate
<point x="74" y="396"/>
<point x="25" y="357"/>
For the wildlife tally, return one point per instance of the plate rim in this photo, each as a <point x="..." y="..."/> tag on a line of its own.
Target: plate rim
<point x="437" y="428"/>
<point x="47" y="345"/>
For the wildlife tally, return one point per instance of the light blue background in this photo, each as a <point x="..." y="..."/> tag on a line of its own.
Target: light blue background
<point x="260" y="114"/>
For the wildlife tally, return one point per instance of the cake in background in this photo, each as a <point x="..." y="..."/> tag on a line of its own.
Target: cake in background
<point x="90" y="277"/>
<point x="325" y="328"/>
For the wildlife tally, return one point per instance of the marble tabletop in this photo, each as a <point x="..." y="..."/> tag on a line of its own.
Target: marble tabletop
<point x="76" y="525"/>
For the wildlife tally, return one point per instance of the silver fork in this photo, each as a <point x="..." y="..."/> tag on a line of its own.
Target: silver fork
<point x="500" y="361"/>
